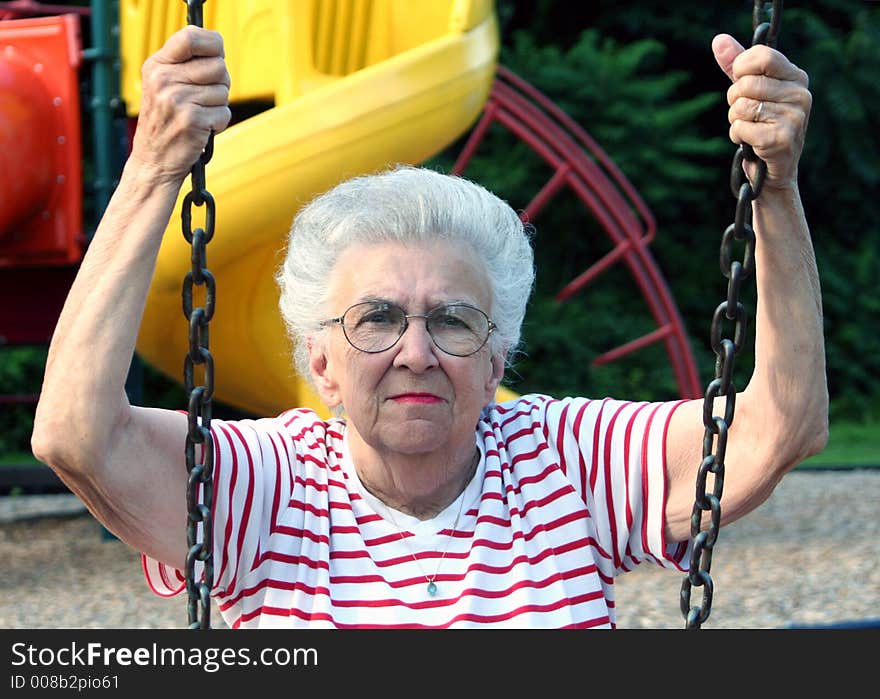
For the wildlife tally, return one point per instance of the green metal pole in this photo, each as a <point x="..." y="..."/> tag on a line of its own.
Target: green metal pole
<point x="105" y="101"/>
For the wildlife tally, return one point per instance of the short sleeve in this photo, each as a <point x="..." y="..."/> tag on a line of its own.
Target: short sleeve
<point x="253" y="476"/>
<point x="614" y="454"/>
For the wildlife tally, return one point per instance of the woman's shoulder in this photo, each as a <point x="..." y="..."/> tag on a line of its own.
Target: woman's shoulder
<point x="529" y="404"/>
<point x="542" y="409"/>
<point x="515" y="412"/>
<point x="295" y="423"/>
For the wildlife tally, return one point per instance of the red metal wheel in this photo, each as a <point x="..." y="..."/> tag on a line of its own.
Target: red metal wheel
<point x="579" y="163"/>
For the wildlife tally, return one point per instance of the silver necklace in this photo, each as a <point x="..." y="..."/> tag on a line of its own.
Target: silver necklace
<point x="432" y="586"/>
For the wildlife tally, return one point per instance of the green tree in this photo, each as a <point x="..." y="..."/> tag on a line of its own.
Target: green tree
<point x="684" y="180"/>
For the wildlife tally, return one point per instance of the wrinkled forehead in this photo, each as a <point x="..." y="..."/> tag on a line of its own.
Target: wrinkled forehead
<point x="416" y="276"/>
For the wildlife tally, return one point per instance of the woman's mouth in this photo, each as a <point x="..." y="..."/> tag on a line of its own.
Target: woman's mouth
<point x="421" y="398"/>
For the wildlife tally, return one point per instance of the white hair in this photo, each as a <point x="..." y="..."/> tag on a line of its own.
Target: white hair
<point x="409" y="205"/>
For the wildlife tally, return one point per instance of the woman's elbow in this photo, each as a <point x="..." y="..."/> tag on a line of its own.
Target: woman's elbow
<point x="69" y="453"/>
<point x="809" y="433"/>
<point x="818" y="414"/>
<point x="48" y="447"/>
<point x="819" y="439"/>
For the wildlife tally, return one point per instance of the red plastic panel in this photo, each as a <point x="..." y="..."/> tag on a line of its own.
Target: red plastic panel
<point x="40" y="142"/>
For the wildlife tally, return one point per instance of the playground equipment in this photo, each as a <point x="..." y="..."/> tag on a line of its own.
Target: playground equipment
<point x="40" y="175"/>
<point x="335" y="89"/>
<point x="351" y="94"/>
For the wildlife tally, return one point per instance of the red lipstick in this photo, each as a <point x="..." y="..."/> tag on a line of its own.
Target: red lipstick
<point x="423" y="398"/>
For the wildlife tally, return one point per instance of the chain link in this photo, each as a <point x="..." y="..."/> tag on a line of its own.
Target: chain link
<point x="200" y="397"/>
<point x="726" y="349"/>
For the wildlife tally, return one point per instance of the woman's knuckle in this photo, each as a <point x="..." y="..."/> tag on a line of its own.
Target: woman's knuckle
<point x="224" y="119"/>
<point x="807" y="101"/>
<point x="803" y="78"/>
<point x="175" y="96"/>
<point x="732" y="93"/>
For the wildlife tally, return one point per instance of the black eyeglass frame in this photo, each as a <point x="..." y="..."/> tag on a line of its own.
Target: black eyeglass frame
<point x="339" y="320"/>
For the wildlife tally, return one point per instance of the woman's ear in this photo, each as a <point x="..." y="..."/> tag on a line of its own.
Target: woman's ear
<point x="496" y="373"/>
<point x="322" y="370"/>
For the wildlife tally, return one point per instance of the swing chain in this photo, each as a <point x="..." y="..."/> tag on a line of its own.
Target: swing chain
<point x="200" y="397"/>
<point x="726" y="349"/>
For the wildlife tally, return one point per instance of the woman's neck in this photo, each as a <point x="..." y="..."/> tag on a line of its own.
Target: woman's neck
<point x="420" y="485"/>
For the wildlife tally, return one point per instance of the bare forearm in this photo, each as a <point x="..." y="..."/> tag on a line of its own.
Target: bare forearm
<point x="93" y="343"/>
<point x="789" y="378"/>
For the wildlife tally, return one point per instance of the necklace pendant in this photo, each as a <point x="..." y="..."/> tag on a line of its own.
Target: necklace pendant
<point x="432" y="588"/>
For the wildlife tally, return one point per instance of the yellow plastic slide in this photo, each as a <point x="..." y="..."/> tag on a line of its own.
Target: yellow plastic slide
<point x="356" y="85"/>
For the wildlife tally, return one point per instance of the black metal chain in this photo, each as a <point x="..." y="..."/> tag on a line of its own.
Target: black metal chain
<point x="726" y="349"/>
<point x="200" y="397"/>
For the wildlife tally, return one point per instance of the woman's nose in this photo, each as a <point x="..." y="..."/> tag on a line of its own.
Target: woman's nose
<point x="416" y="349"/>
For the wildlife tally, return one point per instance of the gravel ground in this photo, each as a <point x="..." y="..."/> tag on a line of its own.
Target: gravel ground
<point x="807" y="557"/>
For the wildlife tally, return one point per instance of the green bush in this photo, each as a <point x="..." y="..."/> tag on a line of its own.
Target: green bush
<point x="21" y="374"/>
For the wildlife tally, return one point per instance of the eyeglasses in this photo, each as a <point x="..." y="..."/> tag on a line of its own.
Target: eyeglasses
<point x="375" y="326"/>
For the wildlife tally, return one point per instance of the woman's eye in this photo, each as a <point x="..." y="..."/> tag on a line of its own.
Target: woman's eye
<point x="382" y="317"/>
<point x="452" y="321"/>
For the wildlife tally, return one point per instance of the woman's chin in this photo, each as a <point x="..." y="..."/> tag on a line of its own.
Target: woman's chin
<point x="416" y="436"/>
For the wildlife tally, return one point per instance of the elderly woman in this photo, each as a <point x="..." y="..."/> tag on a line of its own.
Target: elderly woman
<point x="423" y="503"/>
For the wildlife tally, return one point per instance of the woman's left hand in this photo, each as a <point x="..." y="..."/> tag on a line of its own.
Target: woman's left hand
<point x="769" y="106"/>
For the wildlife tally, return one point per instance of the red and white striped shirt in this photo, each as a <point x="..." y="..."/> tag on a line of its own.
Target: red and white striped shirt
<point x="568" y="493"/>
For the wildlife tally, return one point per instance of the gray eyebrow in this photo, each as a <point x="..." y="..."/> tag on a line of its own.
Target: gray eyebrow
<point x="447" y="302"/>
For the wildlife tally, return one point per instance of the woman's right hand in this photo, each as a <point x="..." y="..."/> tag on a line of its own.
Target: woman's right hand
<point x="185" y="96"/>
